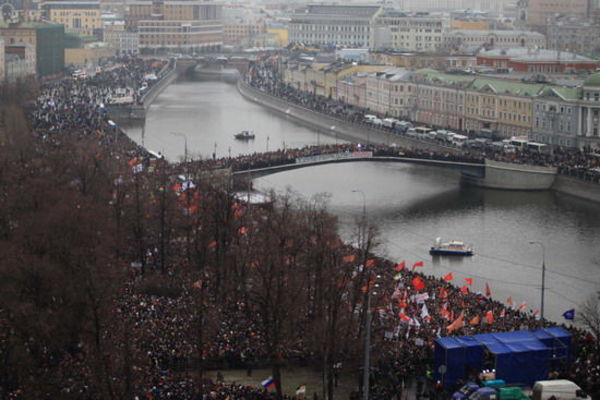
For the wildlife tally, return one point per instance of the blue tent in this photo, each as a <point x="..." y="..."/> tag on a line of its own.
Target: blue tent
<point x="520" y="357"/>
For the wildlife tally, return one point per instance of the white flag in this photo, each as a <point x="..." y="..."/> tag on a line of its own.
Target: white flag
<point x="424" y="312"/>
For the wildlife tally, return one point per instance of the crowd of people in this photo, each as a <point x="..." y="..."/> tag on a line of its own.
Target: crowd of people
<point x="582" y="164"/>
<point x="407" y="319"/>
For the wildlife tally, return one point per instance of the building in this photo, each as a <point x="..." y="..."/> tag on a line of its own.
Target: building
<point x="47" y="39"/>
<point x="410" y="60"/>
<point x="176" y="25"/>
<point x="573" y="34"/>
<point x="422" y="33"/>
<point x="92" y="53"/>
<point x="492" y="6"/>
<point x="79" y="16"/>
<point x="121" y="40"/>
<point x="19" y="62"/>
<point x="352" y="89"/>
<point x="335" y="25"/>
<point x="463" y="39"/>
<point x="390" y="93"/>
<point x="539" y="12"/>
<point x="536" y="60"/>
<point x="589" y="116"/>
<point x="2" y="61"/>
<point x="234" y="31"/>
<point x="556" y="116"/>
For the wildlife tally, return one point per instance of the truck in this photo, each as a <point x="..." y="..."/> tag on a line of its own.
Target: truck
<point x="561" y="389"/>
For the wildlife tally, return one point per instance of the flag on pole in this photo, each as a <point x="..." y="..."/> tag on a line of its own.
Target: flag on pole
<point x="469" y="281"/>
<point x="569" y="314"/>
<point x="489" y="316"/>
<point x="301" y="390"/>
<point x="464" y="290"/>
<point x="449" y="277"/>
<point x="458" y="323"/>
<point x="401" y="266"/>
<point x="418" y="283"/>
<point x="522" y="306"/>
<point x="268" y="383"/>
<point x="510" y="302"/>
<point x="417" y="264"/>
<point x="488" y="291"/>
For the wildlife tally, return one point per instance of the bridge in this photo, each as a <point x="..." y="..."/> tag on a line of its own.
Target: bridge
<point x="486" y="173"/>
<point x="472" y="169"/>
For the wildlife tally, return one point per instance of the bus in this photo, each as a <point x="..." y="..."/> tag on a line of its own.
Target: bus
<point x="422" y="130"/>
<point x="520" y="142"/>
<point x="540" y="148"/>
<point x="459" y="140"/>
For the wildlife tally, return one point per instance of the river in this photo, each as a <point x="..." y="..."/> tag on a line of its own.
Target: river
<point x="412" y="205"/>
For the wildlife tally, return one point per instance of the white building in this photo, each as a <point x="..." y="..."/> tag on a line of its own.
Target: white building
<point x="421" y="33"/>
<point x="120" y="39"/>
<point x="468" y="38"/>
<point x="335" y="25"/>
<point x="492" y="6"/>
<point x="19" y="61"/>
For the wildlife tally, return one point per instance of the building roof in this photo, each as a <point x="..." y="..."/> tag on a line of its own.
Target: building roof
<point x="355" y="10"/>
<point x="593" y="80"/>
<point x="481" y="32"/>
<point x="529" y="54"/>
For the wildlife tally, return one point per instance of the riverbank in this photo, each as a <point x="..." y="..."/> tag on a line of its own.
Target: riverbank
<point x="350" y="131"/>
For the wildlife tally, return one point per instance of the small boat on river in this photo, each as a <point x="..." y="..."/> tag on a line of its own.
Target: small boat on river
<point x="244" y="135"/>
<point x="452" y="248"/>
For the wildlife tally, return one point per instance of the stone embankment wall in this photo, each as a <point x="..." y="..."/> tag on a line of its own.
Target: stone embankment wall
<point x="334" y="126"/>
<point x="577" y="188"/>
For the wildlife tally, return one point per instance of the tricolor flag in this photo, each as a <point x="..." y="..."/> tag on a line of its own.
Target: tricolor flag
<point x="268" y="383"/>
<point x="569" y="314"/>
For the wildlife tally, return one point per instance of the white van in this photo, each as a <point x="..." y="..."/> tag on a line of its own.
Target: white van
<point x="561" y="389"/>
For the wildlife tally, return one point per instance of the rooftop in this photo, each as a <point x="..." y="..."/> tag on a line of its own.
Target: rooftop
<point x="529" y="54"/>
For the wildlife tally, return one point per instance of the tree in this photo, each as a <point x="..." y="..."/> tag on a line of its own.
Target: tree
<point x="588" y="316"/>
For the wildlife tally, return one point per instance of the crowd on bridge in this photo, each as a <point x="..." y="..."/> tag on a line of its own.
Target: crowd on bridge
<point x="263" y="75"/>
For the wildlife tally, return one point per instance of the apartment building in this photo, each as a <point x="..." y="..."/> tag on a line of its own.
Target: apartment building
<point x="470" y="38"/>
<point x="589" y="112"/>
<point x="389" y="93"/>
<point x="78" y="16"/>
<point x="556" y="116"/>
<point x="422" y="33"/>
<point x="335" y="25"/>
<point x="573" y="34"/>
<point x="539" y="12"/>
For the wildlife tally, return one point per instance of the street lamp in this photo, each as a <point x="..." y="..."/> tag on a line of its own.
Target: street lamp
<point x="184" y="144"/>
<point x="543" y="280"/>
<point x="367" y="359"/>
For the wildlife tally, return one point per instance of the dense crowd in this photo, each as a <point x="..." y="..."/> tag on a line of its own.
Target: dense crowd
<point x="161" y="327"/>
<point x="582" y="164"/>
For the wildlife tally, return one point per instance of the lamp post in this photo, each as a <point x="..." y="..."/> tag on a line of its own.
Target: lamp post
<point x="543" y="280"/>
<point x="185" y="151"/>
<point x="367" y="358"/>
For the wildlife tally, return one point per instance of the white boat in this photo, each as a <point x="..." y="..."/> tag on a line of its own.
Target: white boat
<point x="452" y="248"/>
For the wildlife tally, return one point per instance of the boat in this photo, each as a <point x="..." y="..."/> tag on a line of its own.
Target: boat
<point x="244" y="135"/>
<point x="452" y="248"/>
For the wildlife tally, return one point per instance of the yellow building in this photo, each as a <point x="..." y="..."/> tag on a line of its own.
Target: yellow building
<point x="93" y="53"/>
<point x="79" y="16"/>
<point x="469" y="25"/>
<point x="281" y="34"/>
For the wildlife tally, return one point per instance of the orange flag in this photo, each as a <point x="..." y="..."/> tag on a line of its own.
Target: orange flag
<point x="418" y="283"/>
<point x="449" y="277"/>
<point x="510" y="302"/>
<point x="401" y="266"/>
<point x="404" y="317"/>
<point x="371" y="263"/>
<point x="464" y="290"/>
<point x="458" y="323"/>
<point x="488" y="291"/>
<point x="489" y="316"/>
<point x="350" y="258"/>
<point x="469" y="281"/>
<point x="474" y="321"/>
<point x="522" y="306"/>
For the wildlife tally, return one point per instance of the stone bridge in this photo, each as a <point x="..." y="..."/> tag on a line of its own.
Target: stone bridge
<point x="489" y="174"/>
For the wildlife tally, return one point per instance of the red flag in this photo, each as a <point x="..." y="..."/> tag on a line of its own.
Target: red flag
<point x="489" y="316"/>
<point x="212" y="244"/>
<point x="371" y="263"/>
<point x="418" y="283"/>
<point x="350" y="258"/>
<point x="464" y="290"/>
<point x="458" y="323"/>
<point x="404" y="317"/>
<point x="469" y="281"/>
<point x="488" y="291"/>
<point x="401" y="266"/>
<point x="417" y="264"/>
<point x="510" y="302"/>
<point x="443" y="293"/>
<point x="474" y="321"/>
<point x="522" y="306"/>
<point x="449" y="277"/>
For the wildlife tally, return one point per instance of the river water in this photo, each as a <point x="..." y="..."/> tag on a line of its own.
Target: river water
<point x="412" y="205"/>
